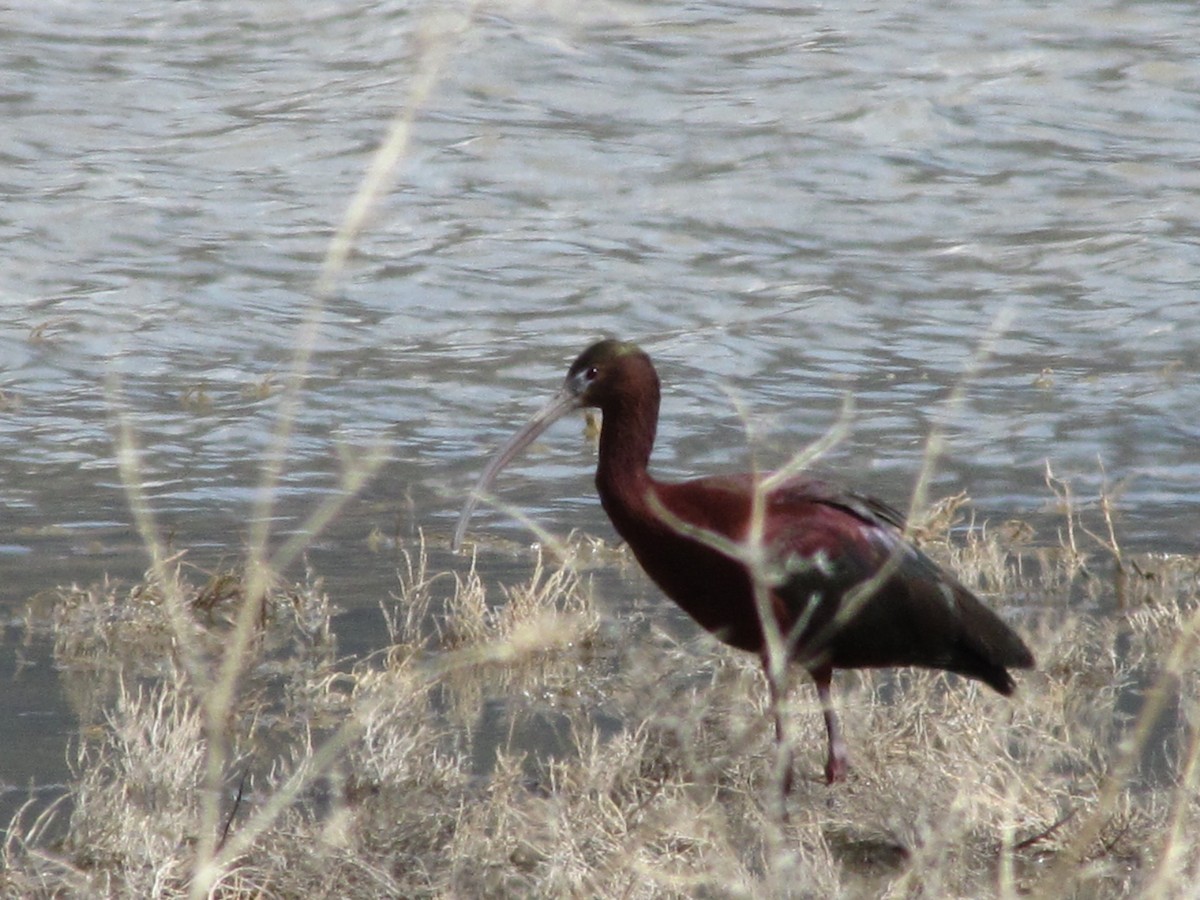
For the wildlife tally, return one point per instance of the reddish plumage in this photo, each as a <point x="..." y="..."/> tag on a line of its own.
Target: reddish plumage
<point x="823" y="546"/>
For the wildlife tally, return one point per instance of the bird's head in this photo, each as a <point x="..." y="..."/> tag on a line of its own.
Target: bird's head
<point x="606" y="370"/>
<point x="603" y="374"/>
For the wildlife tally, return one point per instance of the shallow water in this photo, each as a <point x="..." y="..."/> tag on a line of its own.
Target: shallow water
<point x="783" y="202"/>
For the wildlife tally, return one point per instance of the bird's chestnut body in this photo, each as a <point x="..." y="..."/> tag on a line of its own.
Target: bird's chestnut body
<point x="845" y="587"/>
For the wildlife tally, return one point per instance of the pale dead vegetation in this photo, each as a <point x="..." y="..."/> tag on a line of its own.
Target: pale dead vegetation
<point x="649" y="770"/>
<point x="225" y="749"/>
<point x="521" y="740"/>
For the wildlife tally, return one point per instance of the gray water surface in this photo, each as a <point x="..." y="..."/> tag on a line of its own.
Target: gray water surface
<point x="782" y="201"/>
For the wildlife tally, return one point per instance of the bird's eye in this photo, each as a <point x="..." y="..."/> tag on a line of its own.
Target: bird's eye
<point x="591" y="373"/>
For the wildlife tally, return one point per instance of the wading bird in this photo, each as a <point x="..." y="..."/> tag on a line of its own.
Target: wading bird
<point x="845" y="587"/>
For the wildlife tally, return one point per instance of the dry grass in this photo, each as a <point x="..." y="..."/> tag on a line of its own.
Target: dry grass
<point x="517" y="741"/>
<point x="649" y="771"/>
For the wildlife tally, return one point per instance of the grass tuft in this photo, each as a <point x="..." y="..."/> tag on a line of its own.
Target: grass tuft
<point x="519" y="741"/>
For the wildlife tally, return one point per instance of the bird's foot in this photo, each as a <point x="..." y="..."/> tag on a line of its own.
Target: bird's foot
<point x="837" y="767"/>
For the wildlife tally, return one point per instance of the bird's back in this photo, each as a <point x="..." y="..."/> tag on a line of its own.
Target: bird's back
<point x="858" y="594"/>
<point x="847" y="588"/>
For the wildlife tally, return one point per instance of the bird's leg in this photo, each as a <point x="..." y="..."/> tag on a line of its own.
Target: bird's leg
<point x="785" y="751"/>
<point x="838" y="762"/>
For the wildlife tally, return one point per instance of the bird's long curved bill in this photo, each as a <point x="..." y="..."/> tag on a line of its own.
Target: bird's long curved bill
<point x="563" y="403"/>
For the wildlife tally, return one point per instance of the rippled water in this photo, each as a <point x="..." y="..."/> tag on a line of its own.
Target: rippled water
<point x="784" y="201"/>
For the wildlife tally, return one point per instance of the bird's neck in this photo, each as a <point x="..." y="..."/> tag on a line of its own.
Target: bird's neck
<point x="626" y="441"/>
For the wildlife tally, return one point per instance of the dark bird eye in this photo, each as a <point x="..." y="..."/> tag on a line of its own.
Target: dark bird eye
<point x="592" y="373"/>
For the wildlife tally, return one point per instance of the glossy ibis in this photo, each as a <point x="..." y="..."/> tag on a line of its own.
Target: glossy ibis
<point x="846" y="588"/>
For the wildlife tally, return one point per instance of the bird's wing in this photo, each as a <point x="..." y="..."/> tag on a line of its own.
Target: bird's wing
<point x="801" y="511"/>
<point x="914" y="612"/>
<point x="869" y="510"/>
